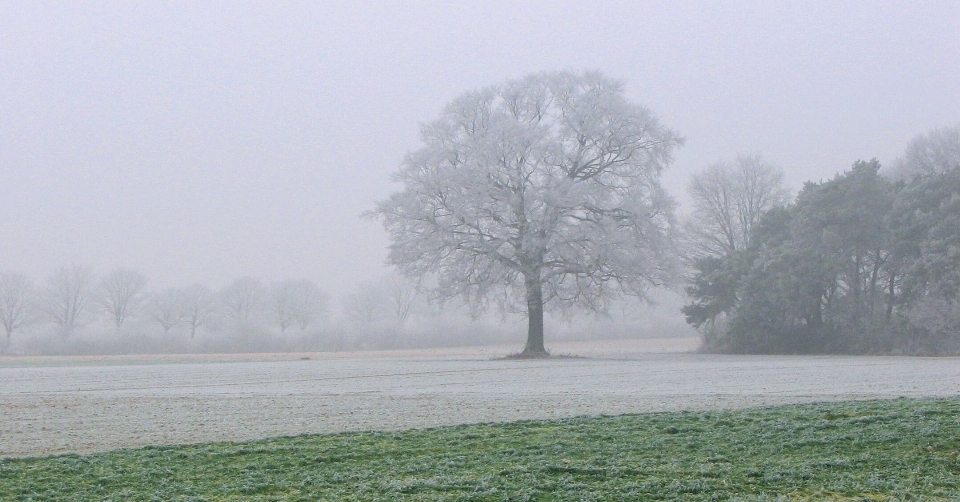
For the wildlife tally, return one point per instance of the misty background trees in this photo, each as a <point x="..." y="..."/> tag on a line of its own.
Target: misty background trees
<point x="119" y="294"/>
<point x="866" y="262"/>
<point x="537" y="192"/>
<point x="16" y="310"/>
<point x="167" y="308"/>
<point x="84" y="312"/>
<point x="65" y="298"/>
<point x="197" y="302"/>
<point x="293" y="315"/>
<point x="541" y="197"/>
<point x="728" y="199"/>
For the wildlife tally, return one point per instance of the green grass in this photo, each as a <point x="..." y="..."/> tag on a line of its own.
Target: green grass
<point x="902" y="449"/>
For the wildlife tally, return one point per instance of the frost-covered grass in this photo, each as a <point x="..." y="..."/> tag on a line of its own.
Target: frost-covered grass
<point x="902" y="449"/>
<point x="103" y="407"/>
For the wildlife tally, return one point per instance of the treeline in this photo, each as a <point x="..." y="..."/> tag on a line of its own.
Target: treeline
<point x="75" y="311"/>
<point x="866" y="262"/>
<point x="73" y="299"/>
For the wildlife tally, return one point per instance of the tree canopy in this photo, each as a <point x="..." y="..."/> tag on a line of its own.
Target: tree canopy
<point x="540" y="191"/>
<point x="859" y="263"/>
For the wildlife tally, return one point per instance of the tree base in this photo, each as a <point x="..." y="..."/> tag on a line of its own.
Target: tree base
<point x="538" y="355"/>
<point x="530" y="354"/>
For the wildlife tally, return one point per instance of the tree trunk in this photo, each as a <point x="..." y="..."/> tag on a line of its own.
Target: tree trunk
<point x="534" y="346"/>
<point x="857" y="283"/>
<point x="891" y="296"/>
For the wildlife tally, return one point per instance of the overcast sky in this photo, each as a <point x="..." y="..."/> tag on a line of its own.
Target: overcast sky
<point x="200" y="142"/>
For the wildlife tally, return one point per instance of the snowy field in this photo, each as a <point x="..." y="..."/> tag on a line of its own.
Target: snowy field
<point x="53" y="405"/>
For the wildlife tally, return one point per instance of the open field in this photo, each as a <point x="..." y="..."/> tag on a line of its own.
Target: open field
<point x="901" y="449"/>
<point x="50" y="405"/>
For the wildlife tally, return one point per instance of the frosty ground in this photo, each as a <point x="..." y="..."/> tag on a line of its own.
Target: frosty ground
<point x="53" y="405"/>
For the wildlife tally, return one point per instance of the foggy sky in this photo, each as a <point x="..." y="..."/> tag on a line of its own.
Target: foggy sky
<point x="206" y="142"/>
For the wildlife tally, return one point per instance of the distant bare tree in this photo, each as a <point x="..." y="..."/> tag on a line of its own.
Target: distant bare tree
<point x="402" y="293"/>
<point x="932" y="153"/>
<point x="16" y="295"/>
<point x="283" y="298"/>
<point x="297" y="302"/>
<point x="310" y="303"/>
<point x="167" y="308"/>
<point x="65" y="297"/>
<point x="120" y="294"/>
<point x="728" y="200"/>
<point x="198" y="306"/>
<point x="365" y="307"/>
<point x="243" y="298"/>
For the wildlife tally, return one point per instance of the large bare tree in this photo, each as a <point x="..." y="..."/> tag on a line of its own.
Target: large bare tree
<point x="66" y="296"/>
<point x="120" y="294"/>
<point x="539" y="191"/>
<point x="16" y="302"/>
<point x="728" y="200"/>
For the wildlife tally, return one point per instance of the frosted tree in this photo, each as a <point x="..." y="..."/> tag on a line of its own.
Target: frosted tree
<point x="16" y="294"/>
<point x="66" y="296"/>
<point x="120" y="294"/>
<point x="933" y="153"/>
<point x="542" y="191"/>
<point x="728" y="200"/>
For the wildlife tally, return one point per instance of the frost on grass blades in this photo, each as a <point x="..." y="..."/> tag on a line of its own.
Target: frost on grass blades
<point x="542" y="191"/>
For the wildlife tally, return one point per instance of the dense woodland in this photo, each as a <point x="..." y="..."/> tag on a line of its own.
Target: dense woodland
<point x="865" y="262"/>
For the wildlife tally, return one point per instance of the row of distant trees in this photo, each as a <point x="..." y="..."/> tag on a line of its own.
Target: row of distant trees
<point x="866" y="262"/>
<point x="72" y="297"/>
